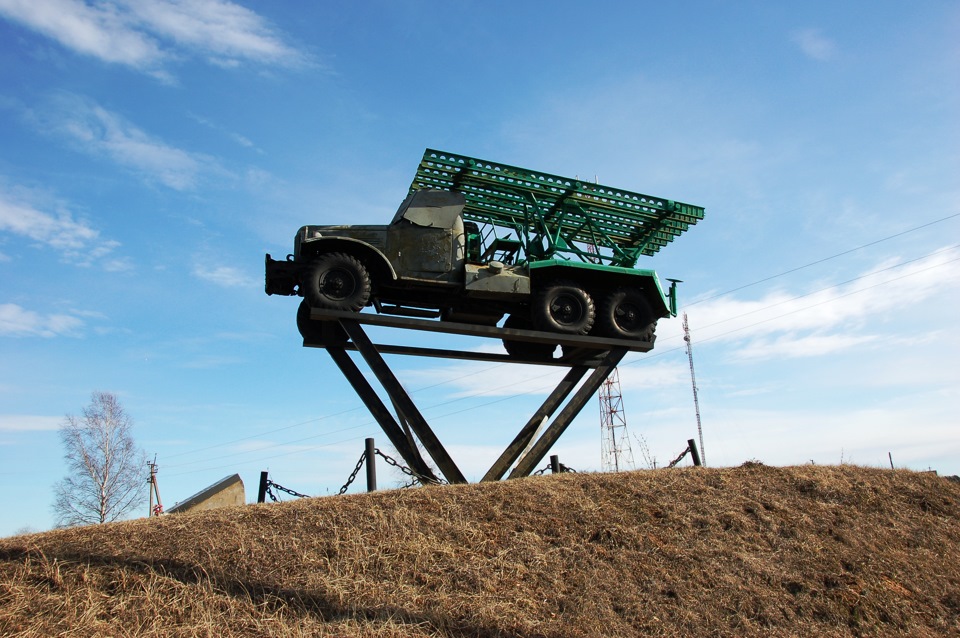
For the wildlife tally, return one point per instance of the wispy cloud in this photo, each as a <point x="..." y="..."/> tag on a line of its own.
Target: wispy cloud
<point x="48" y="222"/>
<point x="237" y="138"/>
<point x="147" y="34"/>
<point x="28" y="422"/>
<point x="228" y="33"/>
<point x="16" y="321"/>
<point x="815" y="45"/>
<point x="101" y="132"/>
<point x="225" y="276"/>
<point x="833" y="318"/>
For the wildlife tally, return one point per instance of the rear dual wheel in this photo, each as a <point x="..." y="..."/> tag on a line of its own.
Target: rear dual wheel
<point x="625" y="314"/>
<point x="564" y="307"/>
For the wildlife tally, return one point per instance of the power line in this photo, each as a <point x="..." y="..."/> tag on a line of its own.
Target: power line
<point x="662" y="353"/>
<point x="842" y="283"/>
<point x="820" y="261"/>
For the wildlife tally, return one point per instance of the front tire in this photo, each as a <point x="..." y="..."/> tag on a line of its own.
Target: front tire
<point x="337" y="281"/>
<point x="564" y="307"/>
<point x="625" y="314"/>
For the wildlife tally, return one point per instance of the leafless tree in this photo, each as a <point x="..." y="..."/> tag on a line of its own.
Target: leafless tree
<point x="106" y="477"/>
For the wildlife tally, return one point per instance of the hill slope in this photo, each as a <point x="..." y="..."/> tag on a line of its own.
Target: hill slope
<point x="748" y="551"/>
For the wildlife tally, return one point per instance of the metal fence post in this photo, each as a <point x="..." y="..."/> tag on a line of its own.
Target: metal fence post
<point x="693" y="452"/>
<point x="371" y="452"/>
<point x="555" y="463"/>
<point x="262" y="492"/>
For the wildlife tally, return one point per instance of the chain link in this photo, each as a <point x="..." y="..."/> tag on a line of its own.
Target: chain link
<point x="273" y="496"/>
<point x="563" y="469"/>
<point x="679" y="458"/>
<point x="353" y="475"/>
<point x="406" y="470"/>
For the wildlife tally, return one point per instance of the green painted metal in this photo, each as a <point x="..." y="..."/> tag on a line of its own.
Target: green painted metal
<point x="558" y="216"/>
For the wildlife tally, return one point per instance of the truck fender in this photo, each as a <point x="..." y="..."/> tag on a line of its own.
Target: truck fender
<point x="372" y="257"/>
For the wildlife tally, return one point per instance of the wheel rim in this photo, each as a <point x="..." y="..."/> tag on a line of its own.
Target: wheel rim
<point x="628" y="316"/>
<point x="338" y="284"/>
<point x="566" y="309"/>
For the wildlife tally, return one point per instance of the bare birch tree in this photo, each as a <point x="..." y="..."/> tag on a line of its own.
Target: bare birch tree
<point x="106" y="477"/>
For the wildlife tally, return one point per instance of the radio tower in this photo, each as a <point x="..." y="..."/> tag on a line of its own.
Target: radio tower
<point x="615" y="447"/>
<point x="693" y="380"/>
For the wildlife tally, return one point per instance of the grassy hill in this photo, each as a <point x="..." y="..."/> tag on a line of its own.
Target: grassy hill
<point x="747" y="551"/>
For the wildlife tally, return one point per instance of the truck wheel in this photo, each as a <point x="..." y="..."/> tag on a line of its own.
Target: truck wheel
<point x="337" y="281"/>
<point x="526" y="349"/>
<point x="625" y="314"/>
<point x="565" y="307"/>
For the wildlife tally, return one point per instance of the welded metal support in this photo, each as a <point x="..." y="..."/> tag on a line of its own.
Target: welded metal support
<point x="341" y="331"/>
<point x="406" y="430"/>
<point x="380" y="412"/>
<point x="530" y="430"/>
<point x="404" y="404"/>
<point x="531" y="459"/>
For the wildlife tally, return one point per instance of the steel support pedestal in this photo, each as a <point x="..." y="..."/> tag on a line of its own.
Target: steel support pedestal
<point x="339" y="332"/>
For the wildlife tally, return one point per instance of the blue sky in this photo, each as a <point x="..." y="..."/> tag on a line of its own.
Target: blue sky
<point x="152" y="151"/>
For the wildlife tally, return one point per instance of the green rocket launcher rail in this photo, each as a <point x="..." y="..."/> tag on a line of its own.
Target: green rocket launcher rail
<point x="556" y="216"/>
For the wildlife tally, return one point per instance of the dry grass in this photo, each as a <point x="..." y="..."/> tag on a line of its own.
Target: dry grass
<point x="748" y="551"/>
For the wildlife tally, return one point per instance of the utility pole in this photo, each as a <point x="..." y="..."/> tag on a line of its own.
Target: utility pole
<point x="155" y="510"/>
<point x="693" y="381"/>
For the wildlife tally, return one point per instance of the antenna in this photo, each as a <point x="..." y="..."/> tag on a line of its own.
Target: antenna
<point x="693" y="381"/>
<point x="616" y="453"/>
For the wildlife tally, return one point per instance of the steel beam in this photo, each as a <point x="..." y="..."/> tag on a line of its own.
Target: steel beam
<point x="380" y="413"/>
<point x="529" y="431"/>
<point x="550" y="436"/>
<point x="401" y="399"/>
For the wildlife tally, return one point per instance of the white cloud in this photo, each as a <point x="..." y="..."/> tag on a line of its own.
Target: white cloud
<point x="50" y="223"/>
<point x="100" y="30"/>
<point x="58" y="230"/>
<point x="225" y="31"/>
<point x="830" y="319"/>
<point x="28" y="422"/>
<point x="16" y="321"/>
<point x="145" y="34"/>
<point x="98" y="131"/>
<point x="226" y="276"/>
<point x="815" y="45"/>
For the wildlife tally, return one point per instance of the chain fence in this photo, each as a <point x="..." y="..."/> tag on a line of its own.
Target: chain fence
<point x="563" y="469"/>
<point x="415" y="478"/>
<point x="275" y="498"/>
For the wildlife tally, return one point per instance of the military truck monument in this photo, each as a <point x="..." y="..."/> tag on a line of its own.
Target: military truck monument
<point x="488" y="250"/>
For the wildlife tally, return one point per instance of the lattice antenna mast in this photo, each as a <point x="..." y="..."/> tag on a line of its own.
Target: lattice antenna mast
<point x="616" y="453"/>
<point x="693" y="381"/>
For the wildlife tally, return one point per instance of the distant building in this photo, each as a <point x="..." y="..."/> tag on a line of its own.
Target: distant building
<point x="226" y="492"/>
